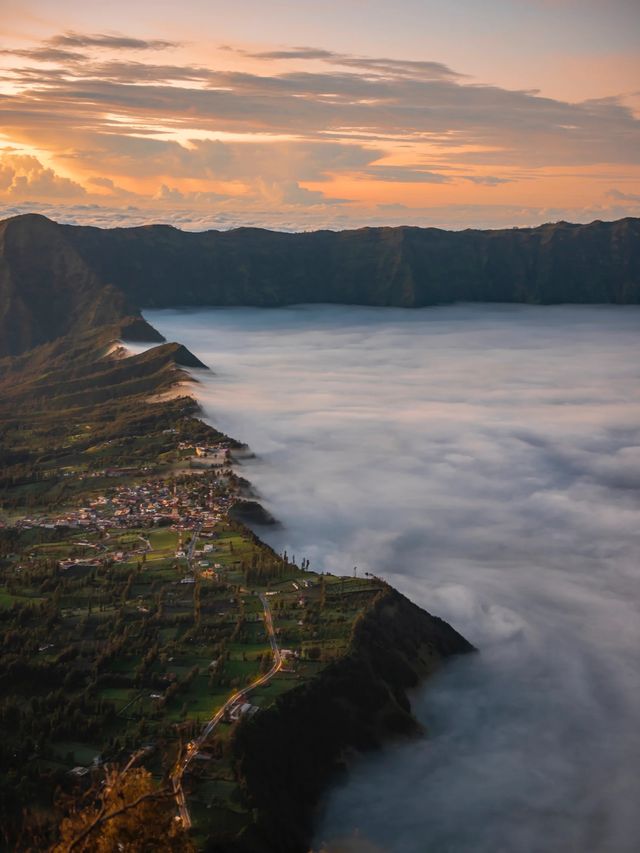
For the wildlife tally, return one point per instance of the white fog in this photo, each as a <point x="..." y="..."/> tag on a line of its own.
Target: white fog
<point x="486" y="461"/>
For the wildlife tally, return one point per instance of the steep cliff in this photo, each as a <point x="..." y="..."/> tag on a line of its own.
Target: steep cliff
<point x="287" y="755"/>
<point x="159" y="266"/>
<point x="48" y="290"/>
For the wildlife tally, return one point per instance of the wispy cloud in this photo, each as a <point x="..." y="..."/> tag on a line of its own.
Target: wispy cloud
<point x="487" y="180"/>
<point x="101" y="105"/>
<point x="405" y="174"/>
<point x="516" y="126"/>
<point x="618" y="195"/>
<point x="46" y="54"/>
<point x="112" y="41"/>
<point x="380" y="66"/>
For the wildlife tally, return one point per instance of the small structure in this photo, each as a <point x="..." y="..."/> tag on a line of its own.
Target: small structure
<point x="241" y="710"/>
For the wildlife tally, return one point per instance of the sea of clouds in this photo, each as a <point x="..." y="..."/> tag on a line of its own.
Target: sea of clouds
<point x="485" y="460"/>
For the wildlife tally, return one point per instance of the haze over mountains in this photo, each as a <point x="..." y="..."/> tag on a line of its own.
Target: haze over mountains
<point x="55" y="279"/>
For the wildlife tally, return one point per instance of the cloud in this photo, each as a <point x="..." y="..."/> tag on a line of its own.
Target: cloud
<point x="420" y="103"/>
<point x="620" y="196"/>
<point x="166" y="193"/>
<point x="291" y="53"/>
<point x="107" y="40"/>
<point x="485" y="460"/>
<point x="487" y="180"/>
<point x="133" y="72"/>
<point x="108" y="105"/>
<point x="174" y="195"/>
<point x="24" y="176"/>
<point x="47" y="54"/>
<point x="290" y="192"/>
<point x="214" y="160"/>
<point x="107" y="183"/>
<point x="276" y="192"/>
<point x="405" y="174"/>
<point x="382" y="65"/>
<point x="114" y="192"/>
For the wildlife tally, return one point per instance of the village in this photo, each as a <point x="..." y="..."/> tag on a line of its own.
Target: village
<point x="154" y="611"/>
<point x="151" y="500"/>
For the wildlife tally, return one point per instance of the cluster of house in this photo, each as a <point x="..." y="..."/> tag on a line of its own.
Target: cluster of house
<point x="156" y="502"/>
<point x="141" y="505"/>
<point x="152" y="502"/>
<point x="240" y="710"/>
<point x="217" y="453"/>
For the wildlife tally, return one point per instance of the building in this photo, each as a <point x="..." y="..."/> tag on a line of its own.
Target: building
<point x="241" y="710"/>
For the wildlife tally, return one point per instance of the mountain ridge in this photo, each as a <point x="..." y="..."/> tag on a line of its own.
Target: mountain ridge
<point x="56" y="279"/>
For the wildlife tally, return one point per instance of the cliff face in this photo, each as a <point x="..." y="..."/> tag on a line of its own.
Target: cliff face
<point x="47" y="290"/>
<point x="60" y="278"/>
<point x="159" y="266"/>
<point x="45" y="284"/>
<point x="287" y="755"/>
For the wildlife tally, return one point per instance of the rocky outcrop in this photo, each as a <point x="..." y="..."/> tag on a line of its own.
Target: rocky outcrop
<point x="252" y="513"/>
<point x="185" y="358"/>
<point x="137" y="329"/>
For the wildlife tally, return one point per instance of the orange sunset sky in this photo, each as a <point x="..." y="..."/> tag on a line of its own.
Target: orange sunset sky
<point x="304" y="114"/>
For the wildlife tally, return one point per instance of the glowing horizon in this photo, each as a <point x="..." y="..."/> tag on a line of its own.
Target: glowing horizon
<point x="207" y="115"/>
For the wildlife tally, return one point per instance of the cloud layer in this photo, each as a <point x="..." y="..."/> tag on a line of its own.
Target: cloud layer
<point x="302" y="127"/>
<point x="486" y="461"/>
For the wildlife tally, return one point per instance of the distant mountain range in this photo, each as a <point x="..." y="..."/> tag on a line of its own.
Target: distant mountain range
<point x="60" y="279"/>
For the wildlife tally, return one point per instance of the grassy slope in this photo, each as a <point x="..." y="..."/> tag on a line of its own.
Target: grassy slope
<point x="67" y="407"/>
<point x="69" y="410"/>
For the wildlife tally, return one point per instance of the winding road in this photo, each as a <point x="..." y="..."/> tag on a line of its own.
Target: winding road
<point x="195" y="745"/>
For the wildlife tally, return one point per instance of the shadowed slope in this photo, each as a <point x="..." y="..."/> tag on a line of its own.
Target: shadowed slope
<point x="47" y="290"/>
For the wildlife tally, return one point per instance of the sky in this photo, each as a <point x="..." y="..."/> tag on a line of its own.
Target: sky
<point x="295" y="114"/>
<point x="485" y="460"/>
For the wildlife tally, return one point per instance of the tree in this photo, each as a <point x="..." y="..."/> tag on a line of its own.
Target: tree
<point x="127" y="813"/>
